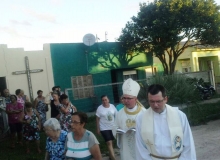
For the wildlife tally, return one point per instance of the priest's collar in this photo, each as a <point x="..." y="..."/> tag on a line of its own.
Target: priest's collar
<point x="162" y="113"/>
<point x="133" y="109"/>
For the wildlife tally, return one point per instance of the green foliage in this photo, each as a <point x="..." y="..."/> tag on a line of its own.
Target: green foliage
<point x="179" y="88"/>
<point x="160" y="26"/>
<point x="19" y="152"/>
<point x="202" y="113"/>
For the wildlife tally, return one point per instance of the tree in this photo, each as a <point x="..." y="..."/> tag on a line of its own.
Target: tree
<point x="170" y="26"/>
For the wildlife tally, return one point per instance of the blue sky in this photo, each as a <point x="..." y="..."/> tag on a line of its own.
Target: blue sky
<point x="29" y="24"/>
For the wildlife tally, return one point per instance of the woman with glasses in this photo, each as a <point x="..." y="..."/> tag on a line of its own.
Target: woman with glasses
<point x="81" y="143"/>
<point x="55" y="143"/>
<point x="105" y="118"/>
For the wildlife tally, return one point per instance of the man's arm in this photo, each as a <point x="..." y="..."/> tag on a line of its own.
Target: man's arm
<point x="141" y="150"/>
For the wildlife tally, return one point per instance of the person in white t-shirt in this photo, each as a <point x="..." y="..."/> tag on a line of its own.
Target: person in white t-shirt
<point x="105" y="118"/>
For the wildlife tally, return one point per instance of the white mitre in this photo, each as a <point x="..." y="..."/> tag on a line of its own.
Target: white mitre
<point x="131" y="87"/>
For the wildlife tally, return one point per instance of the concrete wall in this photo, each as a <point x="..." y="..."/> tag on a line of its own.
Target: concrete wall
<point x="13" y="59"/>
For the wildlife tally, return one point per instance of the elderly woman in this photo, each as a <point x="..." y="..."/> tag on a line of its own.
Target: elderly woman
<point x="81" y="143"/>
<point x="24" y="97"/>
<point x="55" y="143"/>
<point x="14" y="111"/>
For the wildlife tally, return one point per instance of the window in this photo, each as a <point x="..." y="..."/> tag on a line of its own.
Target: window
<point x="186" y="66"/>
<point x="130" y="74"/>
<point x="82" y="87"/>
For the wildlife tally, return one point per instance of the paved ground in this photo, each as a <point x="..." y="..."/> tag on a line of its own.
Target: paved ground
<point x="207" y="141"/>
<point x="206" y="137"/>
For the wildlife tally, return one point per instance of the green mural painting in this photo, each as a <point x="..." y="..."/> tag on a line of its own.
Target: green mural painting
<point x="107" y="56"/>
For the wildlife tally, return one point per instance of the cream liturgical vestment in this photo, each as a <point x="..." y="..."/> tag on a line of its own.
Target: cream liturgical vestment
<point x="126" y="119"/>
<point x="166" y="138"/>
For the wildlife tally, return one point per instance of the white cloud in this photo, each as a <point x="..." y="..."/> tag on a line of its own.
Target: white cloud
<point x="15" y="22"/>
<point x="40" y="16"/>
<point x="9" y="30"/>
<point x="55" y="2"/>
<point x="33" y="13"/>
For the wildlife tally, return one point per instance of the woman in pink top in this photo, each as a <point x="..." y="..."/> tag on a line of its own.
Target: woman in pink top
<point x="14" y="111"/>
<point x="18" y="93"/>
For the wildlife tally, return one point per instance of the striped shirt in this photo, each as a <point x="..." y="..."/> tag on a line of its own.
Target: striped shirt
<point x="80" y="150"/>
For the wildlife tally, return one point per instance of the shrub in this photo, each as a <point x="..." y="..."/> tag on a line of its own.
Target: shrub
<point x="180" y="89"/>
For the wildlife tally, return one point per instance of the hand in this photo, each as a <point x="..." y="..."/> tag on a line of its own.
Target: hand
<point x="74" y="108"/>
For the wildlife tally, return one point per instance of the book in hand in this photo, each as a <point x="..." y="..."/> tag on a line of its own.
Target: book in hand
<point x="121" y="131"/>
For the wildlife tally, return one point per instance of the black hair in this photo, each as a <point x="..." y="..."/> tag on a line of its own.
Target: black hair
<point x="18" y="91"/>
<point x="82" y="116"/>
<point x="104" y="96"/>
<point x="28" y="104"/>
<point x="56" y="92"/>
<point x="156" y="88"/>
<point x="63" y="96"/>
<point x="39" y="91"/>
<point x="12" y="95"/>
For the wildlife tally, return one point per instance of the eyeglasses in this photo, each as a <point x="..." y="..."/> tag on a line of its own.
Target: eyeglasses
<point x="75" y="122"/>
<point x="127" y="98"/>
<point x="157" y="102"/>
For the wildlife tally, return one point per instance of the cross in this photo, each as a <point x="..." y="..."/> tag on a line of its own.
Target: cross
<point x="28" y="72"/>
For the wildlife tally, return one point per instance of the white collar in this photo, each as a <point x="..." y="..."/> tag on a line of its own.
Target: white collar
<point x="133" y="109"/>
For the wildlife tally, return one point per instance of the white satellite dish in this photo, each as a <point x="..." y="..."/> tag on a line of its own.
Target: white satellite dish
<point x="89" y="39"/>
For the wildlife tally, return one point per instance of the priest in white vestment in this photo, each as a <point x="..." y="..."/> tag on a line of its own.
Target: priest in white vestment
<point x="126" y="119"/>
<point x="162" y="131"/>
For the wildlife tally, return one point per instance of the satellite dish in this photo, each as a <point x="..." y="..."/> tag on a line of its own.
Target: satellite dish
<point x="89" y="39"/>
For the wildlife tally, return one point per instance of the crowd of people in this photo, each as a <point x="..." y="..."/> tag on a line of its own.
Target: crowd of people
<point x="159" y="132"/>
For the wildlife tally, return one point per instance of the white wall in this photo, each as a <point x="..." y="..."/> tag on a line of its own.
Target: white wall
<point x="13" y="59"/>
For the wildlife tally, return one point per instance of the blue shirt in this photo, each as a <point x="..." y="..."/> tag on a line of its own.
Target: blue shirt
<point x="56" y="149"/>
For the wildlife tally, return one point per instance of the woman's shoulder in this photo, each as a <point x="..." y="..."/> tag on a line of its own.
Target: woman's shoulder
<point x="91" y="137"/>
<point x="63" y="134"/>
<point x="100" y="108"/>
<point x="89" y="133"/>
<point x="112" y="105"/>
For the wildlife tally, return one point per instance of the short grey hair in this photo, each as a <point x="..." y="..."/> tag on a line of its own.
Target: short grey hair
<point x="53" y="123"/>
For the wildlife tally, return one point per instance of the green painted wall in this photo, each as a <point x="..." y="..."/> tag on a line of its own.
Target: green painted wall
<point x="76" y="59"/>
